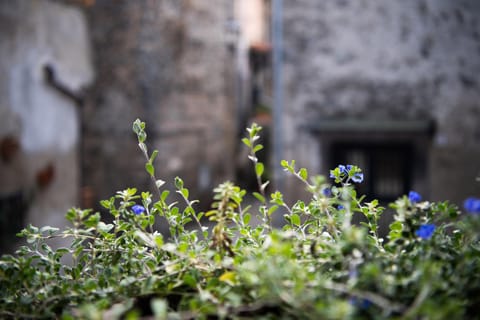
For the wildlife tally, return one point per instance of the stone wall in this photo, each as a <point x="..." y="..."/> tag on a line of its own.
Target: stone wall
<point x="376" y="61"/>
<point x="167" y="63"/>
<point x="45" y="64"/>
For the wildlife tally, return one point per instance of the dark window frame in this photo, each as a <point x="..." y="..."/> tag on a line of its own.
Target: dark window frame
<point x="373" y="151"/>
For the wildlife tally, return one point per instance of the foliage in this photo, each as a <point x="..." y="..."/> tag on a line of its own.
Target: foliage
<point x="318" y="266"/>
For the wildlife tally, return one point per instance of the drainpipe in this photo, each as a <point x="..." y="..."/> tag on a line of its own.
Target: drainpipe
<point x="277" y="63"/>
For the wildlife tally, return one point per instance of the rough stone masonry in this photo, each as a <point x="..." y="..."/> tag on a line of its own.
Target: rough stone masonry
<point x="377" y="61"/>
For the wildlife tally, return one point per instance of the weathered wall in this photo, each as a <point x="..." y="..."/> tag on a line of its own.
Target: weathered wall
<point x="167" y="63"/>
<point x="395" y="60"/>
<point x="39" y="124"/>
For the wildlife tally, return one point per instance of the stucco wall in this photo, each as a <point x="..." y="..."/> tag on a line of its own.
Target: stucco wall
<point x="166" y="62"/>
<point x="41" y="120"/>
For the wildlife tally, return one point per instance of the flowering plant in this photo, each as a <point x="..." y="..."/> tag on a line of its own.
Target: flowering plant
<point x="319" y="265"/>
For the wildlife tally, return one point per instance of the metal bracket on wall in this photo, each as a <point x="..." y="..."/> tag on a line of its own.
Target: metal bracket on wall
<point x="52" y="80"/>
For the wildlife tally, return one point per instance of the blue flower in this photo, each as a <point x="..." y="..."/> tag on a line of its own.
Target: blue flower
<point x="342" y="169"/>
<point x="357" y="177"/>
<point x="414" y="197"/>
<point x="472" y="205"/>
<point x="327" y="192"/>
<point x="138" y="209"/>
<point x="361" y="303"/>
<point x="425" y="231"/>
<point x="340" y="207"/>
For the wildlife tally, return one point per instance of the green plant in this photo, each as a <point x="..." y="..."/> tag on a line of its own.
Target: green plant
<point x="318" y="266"/>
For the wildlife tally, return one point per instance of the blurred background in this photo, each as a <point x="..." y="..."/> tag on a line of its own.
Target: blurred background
<point x="393" y="87"/>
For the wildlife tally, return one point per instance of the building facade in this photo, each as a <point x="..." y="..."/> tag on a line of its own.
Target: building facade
<point x="393" y="87"/>
<point x="169" y="64"/>
<point x="45" y="64"/>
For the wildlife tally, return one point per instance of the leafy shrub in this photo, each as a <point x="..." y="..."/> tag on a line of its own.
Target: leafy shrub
<point x="318" y="266"/>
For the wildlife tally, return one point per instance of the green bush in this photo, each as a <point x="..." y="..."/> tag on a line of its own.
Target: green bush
<point x="318" y="266"/>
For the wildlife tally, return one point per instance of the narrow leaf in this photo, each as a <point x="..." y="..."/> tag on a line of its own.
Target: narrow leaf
<point x="246" y="218"/>
<point x="164" y="195"/>
<point x="272" y="209"/>
<point x="259" y="197"/>
<point x="150" y="169"/>
<point x="303" y="173"/>
<point x="259" y="169"/>
<point x="153" y="156"/>
<point x="228" y="277"/>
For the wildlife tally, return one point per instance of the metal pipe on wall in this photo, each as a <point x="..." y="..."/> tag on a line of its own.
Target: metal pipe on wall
<point x="277" y="65"/>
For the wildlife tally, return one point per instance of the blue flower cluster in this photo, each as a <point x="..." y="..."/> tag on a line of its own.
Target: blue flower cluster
<point x="425" y="231"/>
<point x="472" y="205"/>
<point x="414" y="197"/>
<point x="138" y="209"/>
<point x="345" y="170"/>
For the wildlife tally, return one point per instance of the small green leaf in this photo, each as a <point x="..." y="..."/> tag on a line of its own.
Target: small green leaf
<point x="93" y="220"/>
<point x="259" y="168"/>
<point x="164" y="194"/>
<point x="158" y="240"/>
<point x="259" y="197"/>
<point x="153" y="156"/>
<point x="72" y="214"/>
<point x="142" y="136"/>
<point x="89" y="284"/>
<point x="303" y="173"/>
<point x="185" y="192"/>
<point x="257" y="148"/>
<point x="393" y="235"/>
<point x="178" y="183"/>
<point x="396" y="226"/>
<point x="295" y="219"/>
<point x="246" y="142"/>
<point x="272" y="209"/>
<point x="228" y="277"/>
<point x="138" y="126"/>
<point x="246" y="218"/>
<point x="150" y="169"/>
<point x="189" y="280"/>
